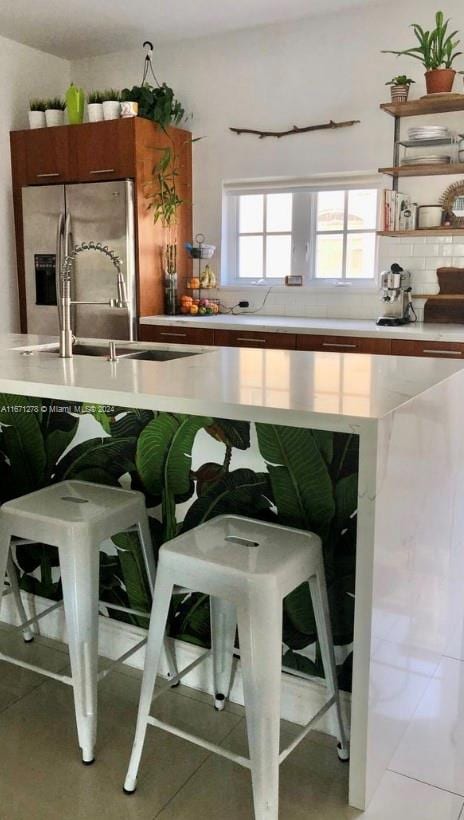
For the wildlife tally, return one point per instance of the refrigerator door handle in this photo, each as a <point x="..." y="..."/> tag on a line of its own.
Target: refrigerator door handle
<point x="59" y="256"/>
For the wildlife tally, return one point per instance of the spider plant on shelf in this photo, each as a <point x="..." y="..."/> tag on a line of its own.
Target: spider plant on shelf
<point x="436" y="50"/>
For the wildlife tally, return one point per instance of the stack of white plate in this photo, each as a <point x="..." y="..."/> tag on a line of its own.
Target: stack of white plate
<point x="429" y="132"/>
<point x="427" y="159"/>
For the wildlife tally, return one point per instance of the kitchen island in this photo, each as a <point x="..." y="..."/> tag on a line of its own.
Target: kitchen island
<point x="366" y="450"/>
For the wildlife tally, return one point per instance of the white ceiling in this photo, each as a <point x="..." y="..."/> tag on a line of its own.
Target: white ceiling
<point x="84" y="28"/>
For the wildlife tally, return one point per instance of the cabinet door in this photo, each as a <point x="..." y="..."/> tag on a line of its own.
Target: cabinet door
<point x="47" y="155"/>
<point x="442" y="350"/>
<point x="245" y="338"/>
<point x="104" y="150"/>
<point x="172" y="334"/>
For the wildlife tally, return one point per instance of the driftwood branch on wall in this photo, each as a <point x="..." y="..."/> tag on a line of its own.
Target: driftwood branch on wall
<point x="295" y="129"/>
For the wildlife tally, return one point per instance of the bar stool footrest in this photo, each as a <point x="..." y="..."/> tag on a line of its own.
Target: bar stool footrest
<point x="32" y="667"/>
<point x="199" y="741"/>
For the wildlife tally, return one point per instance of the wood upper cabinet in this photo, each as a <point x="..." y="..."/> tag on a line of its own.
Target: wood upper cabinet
<point x="103" y="150"/>
<point x="42" y="155"/>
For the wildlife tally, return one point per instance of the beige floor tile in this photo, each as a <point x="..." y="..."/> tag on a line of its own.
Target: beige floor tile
<point x="42" y="776"/>
<point x="16" y="682"/>
<point x="313" y="784"/>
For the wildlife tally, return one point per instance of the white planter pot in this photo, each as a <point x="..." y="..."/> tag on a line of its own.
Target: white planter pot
<point x="111" y="110"/>
<point x="54" y="116"/>
<point x="37" y="119"/>
<point x="95" y="112"/>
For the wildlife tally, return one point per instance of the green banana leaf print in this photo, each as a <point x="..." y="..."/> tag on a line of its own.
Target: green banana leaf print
<point x="191" y="469"/>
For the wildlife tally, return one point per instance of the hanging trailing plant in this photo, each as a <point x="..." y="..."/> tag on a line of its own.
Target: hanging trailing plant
<point x="155" y="103"/>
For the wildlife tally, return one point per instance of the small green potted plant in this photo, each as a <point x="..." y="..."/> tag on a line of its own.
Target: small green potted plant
<point x="95" y="106"/>
<point x="436" y="50"/>
<point x="111" y="104"/>
<point x="399" y="87"/>
<point x="37" y="113"/>
<point x="54" y="111"/>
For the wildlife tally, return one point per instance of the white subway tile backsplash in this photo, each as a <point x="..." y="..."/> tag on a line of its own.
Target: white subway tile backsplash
<point x="458" y="248"/>
<point x="426" y="250"/>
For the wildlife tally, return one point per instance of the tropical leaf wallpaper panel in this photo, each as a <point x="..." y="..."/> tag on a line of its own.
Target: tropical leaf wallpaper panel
<point x="191" y="468"/>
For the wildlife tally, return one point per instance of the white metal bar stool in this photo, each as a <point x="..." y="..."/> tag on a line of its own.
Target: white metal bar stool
<point x="75" y="517"/>
<point x="248" y="567"/>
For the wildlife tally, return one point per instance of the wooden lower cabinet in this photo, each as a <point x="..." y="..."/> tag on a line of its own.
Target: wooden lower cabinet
<point x="343" y="344"/>
<point x="264" y="340"/>
<point x="176" y="335"/>
<point x="301" y="341"/>
<point x="444" y="350"/>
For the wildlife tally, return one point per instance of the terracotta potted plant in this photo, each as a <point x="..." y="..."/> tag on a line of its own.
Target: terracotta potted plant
<point x="436" y="50"/>
<point x="399" y="87"/>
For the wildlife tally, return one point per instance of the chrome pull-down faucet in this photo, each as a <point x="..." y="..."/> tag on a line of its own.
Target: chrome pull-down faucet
<point x="66" y="334"/>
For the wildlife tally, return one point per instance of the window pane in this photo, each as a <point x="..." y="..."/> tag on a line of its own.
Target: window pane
<point x="251" y="210"/>
<point x="330" y="210"/>
<point x="360" y="255"/>
<point x="279" y="212"/>
<point x="278" y="256"/>
<point x="329" y="256"/>
<point x="362" y="210"/>
<point x="251" y="256"/>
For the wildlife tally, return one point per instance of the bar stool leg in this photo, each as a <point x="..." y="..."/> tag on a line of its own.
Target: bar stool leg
<point x="158" y="620"/>
<point x="148" y="557"/>
<point x="28" y="633"/>
<point x="5" y="542"/>
<point x="223" y="627"/>
<point x="318" y="590"/>
<point x="79" y="565"/>
<point x="260" y="638"/>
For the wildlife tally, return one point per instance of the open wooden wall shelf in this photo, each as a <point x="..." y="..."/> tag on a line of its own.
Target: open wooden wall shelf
<point x="416" y="108"/>
<point x="455" y="168"/>
<point x="425" y="232"/>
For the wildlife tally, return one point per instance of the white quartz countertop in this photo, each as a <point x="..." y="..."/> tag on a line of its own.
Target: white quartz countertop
<point x="337" y="327"/>
<point x="328" y="390"/>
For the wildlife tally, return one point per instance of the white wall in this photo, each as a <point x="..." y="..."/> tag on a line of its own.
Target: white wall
<point x="305" y="72"/>
<point x="24" y="73"/>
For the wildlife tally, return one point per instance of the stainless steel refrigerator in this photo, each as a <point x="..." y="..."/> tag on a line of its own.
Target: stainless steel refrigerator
<point x="55" y="219"/>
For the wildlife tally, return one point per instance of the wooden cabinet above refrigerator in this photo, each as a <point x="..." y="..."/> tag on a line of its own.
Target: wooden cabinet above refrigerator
<point x="111" y="150"/>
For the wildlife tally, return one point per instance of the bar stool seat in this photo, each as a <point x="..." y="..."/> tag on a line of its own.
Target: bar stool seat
<point x="75" y="517"/>
<point x="247" y="567"/>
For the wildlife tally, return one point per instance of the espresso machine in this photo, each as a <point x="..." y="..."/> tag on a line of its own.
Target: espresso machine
<point x="396" y="296"/>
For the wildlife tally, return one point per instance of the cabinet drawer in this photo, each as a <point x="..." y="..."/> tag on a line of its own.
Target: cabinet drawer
<point x="264" y="340"/>
<point x="104" y="150"/>
<point x="343" y="344"/>
<point x="443" y="350"/>
<point x="47" y="155"/>
<point x="176" y="335"/>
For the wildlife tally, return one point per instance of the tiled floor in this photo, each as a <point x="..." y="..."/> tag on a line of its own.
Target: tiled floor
<point x="42" y="778"/>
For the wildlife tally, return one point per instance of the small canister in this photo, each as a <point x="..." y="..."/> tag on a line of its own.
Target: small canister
<point x="129" y="108"/>
<point x="429" y="216"/>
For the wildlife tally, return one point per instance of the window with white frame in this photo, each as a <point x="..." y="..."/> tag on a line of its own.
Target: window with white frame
<point x="326" y="235"/>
